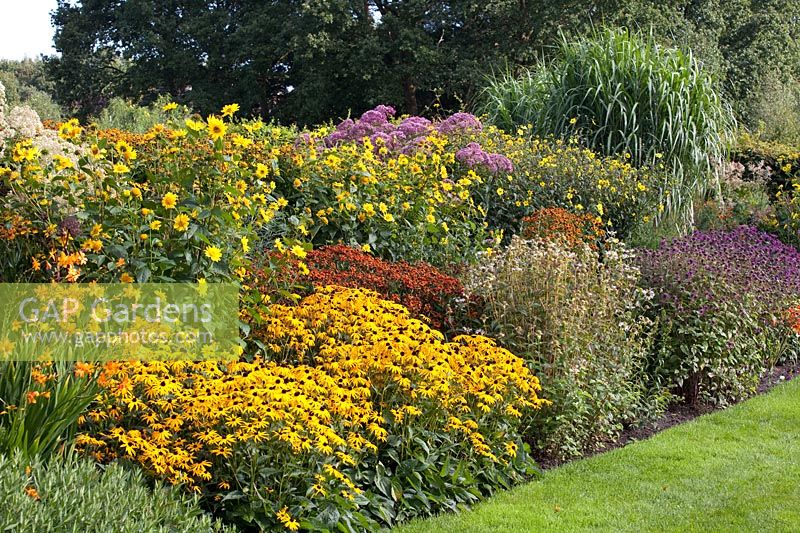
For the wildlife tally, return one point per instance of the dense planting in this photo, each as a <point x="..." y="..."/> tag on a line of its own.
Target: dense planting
<point x="363" y="252"/>
<point x="722" y="301"/>
<point x="72" y="494"/>
<point x="627" y="95"/>
<point x="425" y="291"/>
<point x="579" y="322"/>
<point x="322" y="416"/>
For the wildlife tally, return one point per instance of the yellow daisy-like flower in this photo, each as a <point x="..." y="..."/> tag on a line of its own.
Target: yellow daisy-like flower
<point x="169" y="201"/>
<point x="155" y="225"/>
<point x="298" y="251"/>
<point x="181" y="222"/>
<point x="195" y="125"/>
<point x="245" y="244"/>
<point x="63" y="162"/>
<point x="262" y="170"/>
<point x="119" y="168"/>
<point x="229" y="110"/>
<point x="126" y="278"/>
<point x="241" y="142"/>
<point x="96" y="152"/>
<point x="213" y="253"/>
<point x="216" y="128"/>
<point x="171" y="106"/>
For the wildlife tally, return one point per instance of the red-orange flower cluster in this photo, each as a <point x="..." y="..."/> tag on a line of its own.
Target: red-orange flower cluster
<point x="420" y="287"/>
<point x="793" y="316"/>
<point x="557" y="224"/>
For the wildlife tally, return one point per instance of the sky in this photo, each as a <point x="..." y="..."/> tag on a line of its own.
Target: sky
<point x="25" y="29"/>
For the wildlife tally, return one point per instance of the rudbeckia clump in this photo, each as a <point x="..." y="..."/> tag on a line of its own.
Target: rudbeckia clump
<point x="348" y="381"/>
<point x="722" y="301"/>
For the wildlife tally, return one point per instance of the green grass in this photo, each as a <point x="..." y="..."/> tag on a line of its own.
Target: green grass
<point x="733" y="470"/>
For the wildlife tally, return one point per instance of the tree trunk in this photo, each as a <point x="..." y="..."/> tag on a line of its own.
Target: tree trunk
<point x="409" y="96"/>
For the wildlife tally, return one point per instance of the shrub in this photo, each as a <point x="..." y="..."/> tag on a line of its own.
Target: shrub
<point x="785" y="223"/>
<point x="579" y="322"/>
<point x="41" y="404"/>
<point x="72" y="494"/>
<point x="364" y="415"/>
<point x="776" y="111"/>
<point x="123" y="115"/>
<point x="742" y="202"/>
<point x="722" y="298"/>
<point x="771" y="162"/>
<point x="624" y="94"/>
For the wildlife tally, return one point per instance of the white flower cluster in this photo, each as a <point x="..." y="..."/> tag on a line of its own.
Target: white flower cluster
<point x="22" y="122"/>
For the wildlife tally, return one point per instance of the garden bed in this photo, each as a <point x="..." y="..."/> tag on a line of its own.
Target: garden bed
<point x="675" y="415"/>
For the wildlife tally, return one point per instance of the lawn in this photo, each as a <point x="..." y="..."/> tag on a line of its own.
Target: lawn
<point x="733" y="470"/>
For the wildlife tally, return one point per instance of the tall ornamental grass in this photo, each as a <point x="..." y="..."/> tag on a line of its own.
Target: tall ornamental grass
<point x="625" y="94"/>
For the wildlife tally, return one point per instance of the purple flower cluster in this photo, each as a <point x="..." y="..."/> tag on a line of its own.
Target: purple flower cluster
<point x="459" y="123"/>
<point x="408" y="135"/>
<point x="473" y="155"/>
<point x="708" y="269"/>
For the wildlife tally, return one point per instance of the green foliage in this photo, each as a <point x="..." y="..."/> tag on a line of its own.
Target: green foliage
<point x="160" y="233"/>
<point x="625" y="94"/>
<point x="786" y="215"/>
<point x="26" y="84"/>
<point x="743" y="202"/>
<point x="580" y="322"/>
<point x="723" y="298"/>
<point x="776" y="111"/>
<point x="71" y="494"/>
<point x="304" y="62"/>
<point x="40" y="406"/>
<point x="311" y="61"/>
<point x="416" y="474"/>
<point x="123" y="115"/>
<point x="717" y="357"/>
<point x="749" y="45"/>
<point x="772" y="162"/>
<point x="553" y="173"/>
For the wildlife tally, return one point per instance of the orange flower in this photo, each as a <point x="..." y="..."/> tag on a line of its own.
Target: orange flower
<point x="83" y="369"/>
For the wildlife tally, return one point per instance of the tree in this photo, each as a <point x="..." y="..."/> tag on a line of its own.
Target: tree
<point x="26" y="83"/>
<point x="309" y="61"/>
<point x="205" y="54"/>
